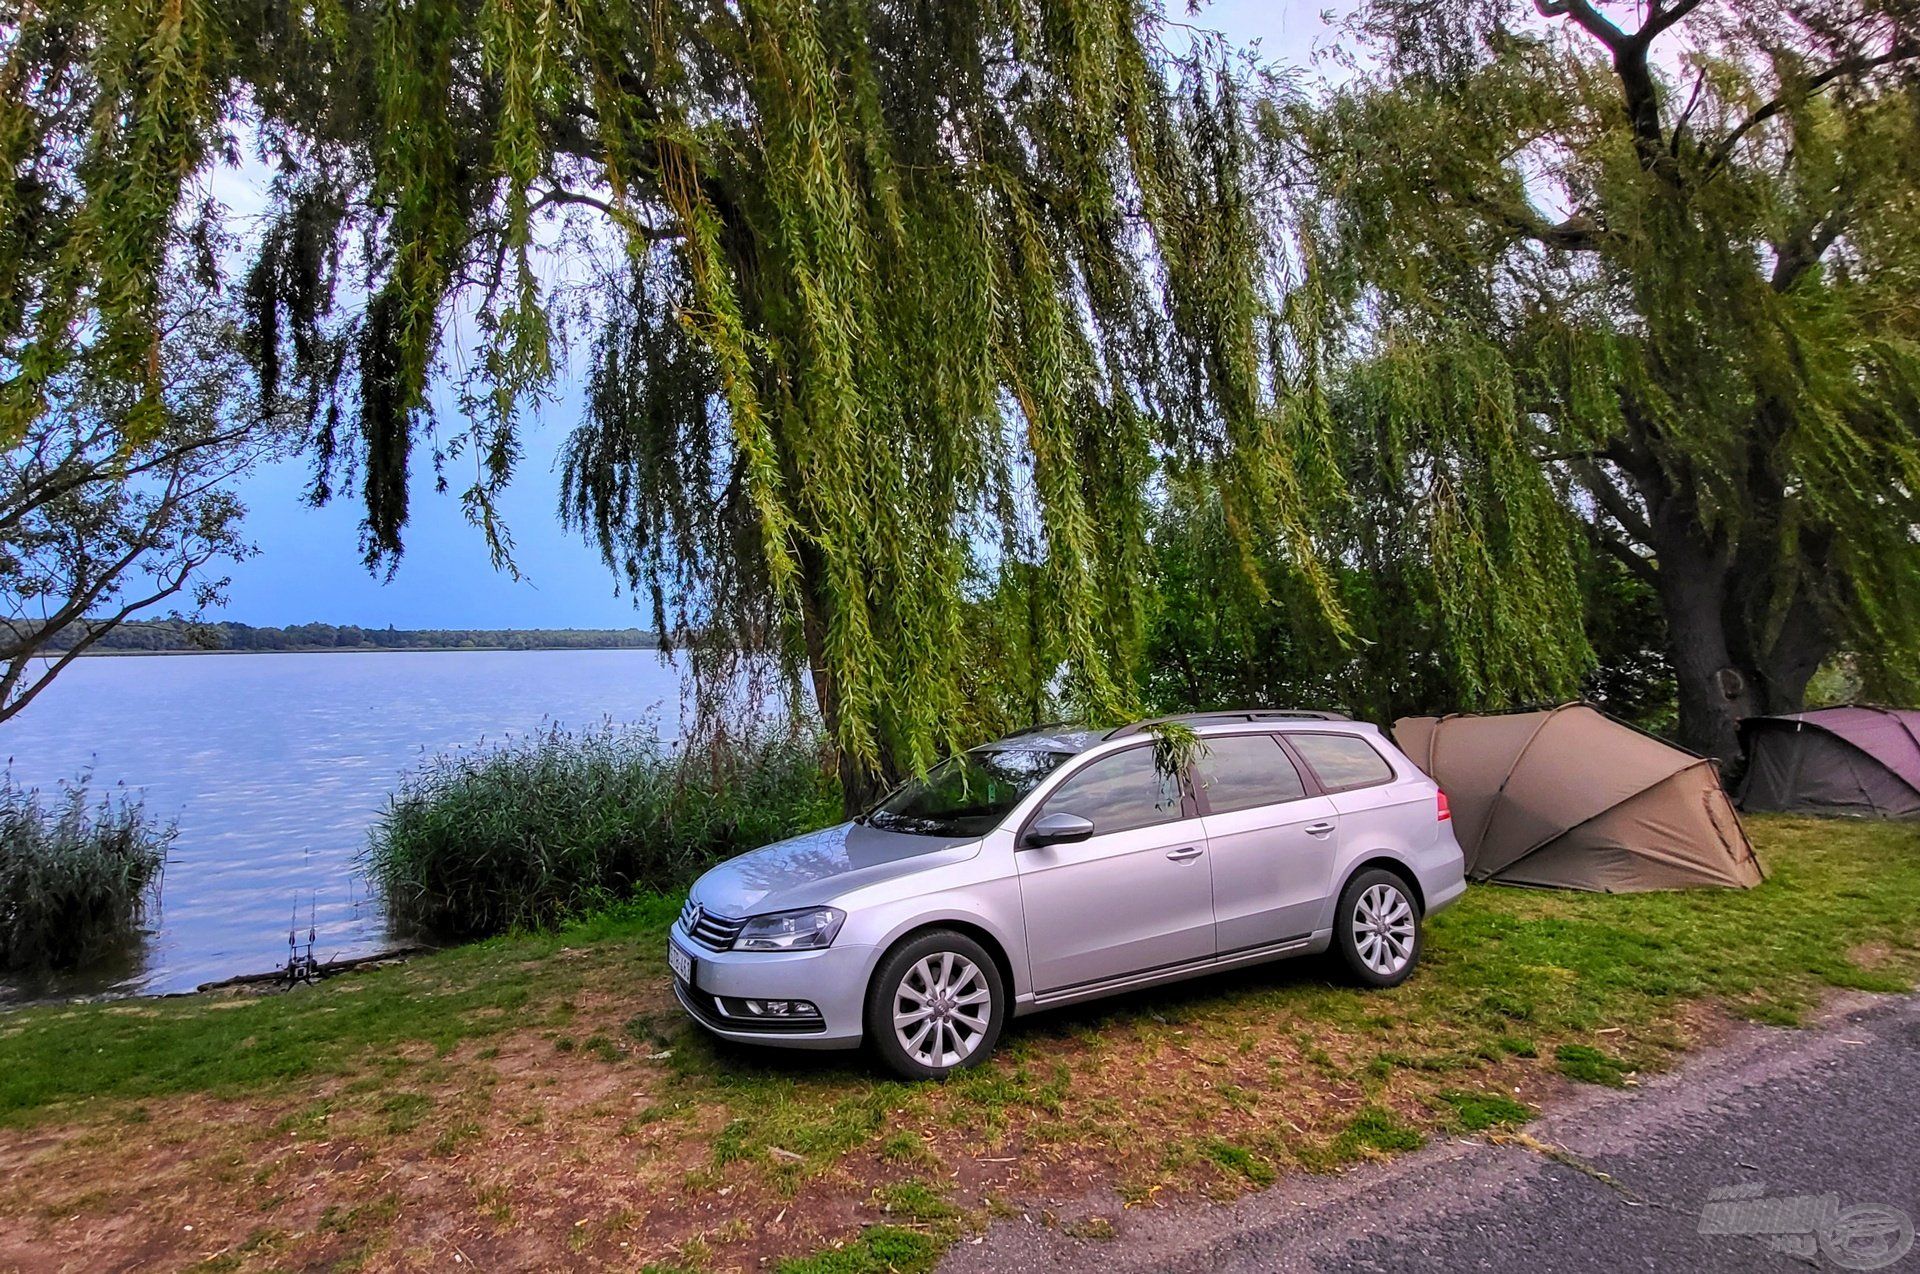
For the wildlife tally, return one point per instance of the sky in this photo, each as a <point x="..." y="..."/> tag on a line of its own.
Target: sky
<point x="308" y="567"/>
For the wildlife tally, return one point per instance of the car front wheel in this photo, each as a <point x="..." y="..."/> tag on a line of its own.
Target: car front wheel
<point x="937" y="1004"/>
<point x="1377" y="929"/>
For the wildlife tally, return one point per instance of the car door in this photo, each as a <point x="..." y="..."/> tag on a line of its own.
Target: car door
<point x="1272" y="837"/>
<point x="1133" y="896"/>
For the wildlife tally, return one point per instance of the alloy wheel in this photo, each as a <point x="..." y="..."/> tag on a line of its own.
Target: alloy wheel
<point x="1383" y="929"/>
<point x="941" y="1009"/>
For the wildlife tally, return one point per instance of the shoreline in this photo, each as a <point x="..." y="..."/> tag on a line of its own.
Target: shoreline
<point x="259" y="982"/>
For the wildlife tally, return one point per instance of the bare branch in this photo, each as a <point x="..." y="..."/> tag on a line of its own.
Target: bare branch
<point x="1587" y="18"/>
<point x="1680" y="124"/>
<point x="1902" y="52"/>
<point x="622" y="216"/>
<point x="91" y="634"/>
<point x="1614" y="501"/>
<point x="75" y="608"/>
<point x="1578" y="233"/>
<point x="1661" y="18"/>
<point x="1639" y="565"/>
<point x="1639" y="91"/>
<point x="86" y="473"/>
<point x="1803" y="250"/>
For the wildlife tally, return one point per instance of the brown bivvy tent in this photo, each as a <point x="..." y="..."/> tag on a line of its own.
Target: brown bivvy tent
<point x="1571" y="798"/>
<point x="1849" y="760"/>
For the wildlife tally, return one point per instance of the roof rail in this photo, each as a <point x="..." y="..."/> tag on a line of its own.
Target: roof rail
<point x="1045" y="727"/>
<point x="1228" y="714"/>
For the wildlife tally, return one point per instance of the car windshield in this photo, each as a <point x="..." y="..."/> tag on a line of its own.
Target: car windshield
<point x="968" y="794"/>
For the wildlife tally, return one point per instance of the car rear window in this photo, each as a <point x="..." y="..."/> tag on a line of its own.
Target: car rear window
<point x="1342" y="760"/>
<point x="1241" y="771"/>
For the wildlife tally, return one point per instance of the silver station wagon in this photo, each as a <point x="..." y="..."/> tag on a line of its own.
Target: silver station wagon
<point x="1061" y="865"/>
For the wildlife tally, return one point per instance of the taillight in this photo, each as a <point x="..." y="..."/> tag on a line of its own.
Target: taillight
<point x="1446" y="811"/>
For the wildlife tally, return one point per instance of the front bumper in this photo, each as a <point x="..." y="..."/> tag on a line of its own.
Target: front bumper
<point x="834" y="978"/>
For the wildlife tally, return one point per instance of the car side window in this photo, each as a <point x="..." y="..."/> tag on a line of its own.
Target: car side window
<point x="1118" y="793"/>
<point x="1342" y="761"/>
<point x="1241" y="771"/>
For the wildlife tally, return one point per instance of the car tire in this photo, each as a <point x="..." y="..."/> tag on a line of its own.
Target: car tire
<point x="939" y="975"/>
<point x="1376" y="928"/>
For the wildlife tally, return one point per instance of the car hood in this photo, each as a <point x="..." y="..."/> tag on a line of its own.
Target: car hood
<point x="813" y="869"/>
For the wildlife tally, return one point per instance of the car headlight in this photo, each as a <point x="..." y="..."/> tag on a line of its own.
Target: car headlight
<point x="791" y="930"/>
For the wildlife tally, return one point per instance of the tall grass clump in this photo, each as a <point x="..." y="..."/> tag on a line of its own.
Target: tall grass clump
<point x="76" y="876"/>
<point x="557" y="823"/>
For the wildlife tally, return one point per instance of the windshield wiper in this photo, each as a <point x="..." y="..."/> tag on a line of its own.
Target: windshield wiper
<point x="910" y="826"/>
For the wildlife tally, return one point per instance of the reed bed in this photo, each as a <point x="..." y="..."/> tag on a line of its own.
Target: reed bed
<point x="78" y="876"/>
<point x="528" y="834"/>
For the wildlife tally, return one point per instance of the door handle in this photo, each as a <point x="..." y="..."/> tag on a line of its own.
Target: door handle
<point x="1317" y="829"/>
<point x="1186" y="855"/>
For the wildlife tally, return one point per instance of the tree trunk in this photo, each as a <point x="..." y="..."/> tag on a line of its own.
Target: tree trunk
<point x="1794" y="656"/>
<point x="1713" y="693"/>
<point x="1786" y="648"/>
<point x="1731" y="658"/>
<point x="1693" y="584"/>
<point x="860" y="786"/>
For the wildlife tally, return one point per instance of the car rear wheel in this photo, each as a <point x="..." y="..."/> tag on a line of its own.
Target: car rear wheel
<point x="937" y="1004"/>
<point x="1377" y="928"/>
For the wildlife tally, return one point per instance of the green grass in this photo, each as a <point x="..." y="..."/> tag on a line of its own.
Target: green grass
<point x="1240" y="1161"/>
<point x="1591" y="1066"/>
<point x="916" y="1201"/>
<point x="1537" y="964"/>
<point x="153" y="1048"/>
<point x="1477" y="1112"/>
<point x="880" y="1249"/>
<point x="1378" y="1130"/>
<point x="908" y="1149"/>
<point x="1255" y="1073"/>
<point x="1506" y="969"/>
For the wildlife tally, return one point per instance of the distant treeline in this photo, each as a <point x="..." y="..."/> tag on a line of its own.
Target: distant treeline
<point x="187" y="635"/>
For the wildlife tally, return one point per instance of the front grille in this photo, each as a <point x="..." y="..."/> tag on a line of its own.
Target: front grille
<point x="716" y="933"/>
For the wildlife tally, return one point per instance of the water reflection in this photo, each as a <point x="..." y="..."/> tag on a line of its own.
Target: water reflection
<point x="275" y="766"/>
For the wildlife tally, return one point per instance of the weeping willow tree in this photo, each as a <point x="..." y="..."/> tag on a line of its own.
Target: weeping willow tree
<point x="890" y="307"/>
<point x="1453" y="563"/>
<point x="1657" y="260"/>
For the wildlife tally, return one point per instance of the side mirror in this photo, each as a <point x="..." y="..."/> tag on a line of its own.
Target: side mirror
<point x="1059" y="828"/>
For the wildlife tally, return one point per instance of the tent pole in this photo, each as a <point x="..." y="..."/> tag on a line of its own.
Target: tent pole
<point x="1513" y="765"/>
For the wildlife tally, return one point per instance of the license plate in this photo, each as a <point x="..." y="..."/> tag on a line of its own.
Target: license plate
<point x="681" y="963"/>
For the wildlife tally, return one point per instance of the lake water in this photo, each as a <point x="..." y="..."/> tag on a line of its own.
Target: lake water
<point x="275" y="766"/>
